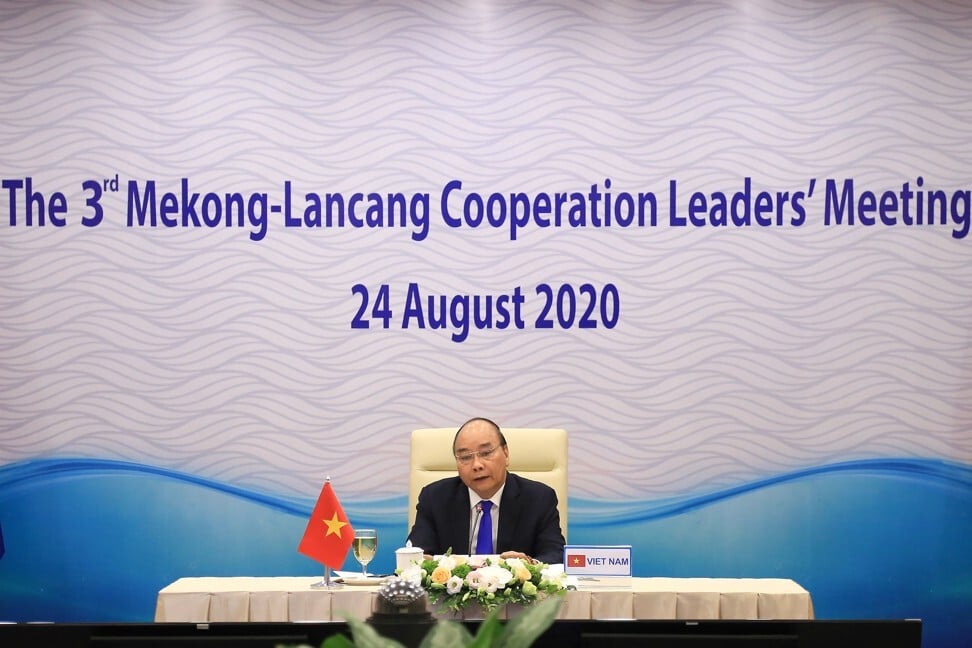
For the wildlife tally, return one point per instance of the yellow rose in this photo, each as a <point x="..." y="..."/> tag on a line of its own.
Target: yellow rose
<point x="440" y="575"/>
<point x="522" y="574"/>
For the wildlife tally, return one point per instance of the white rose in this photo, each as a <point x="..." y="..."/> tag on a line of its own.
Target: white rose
<point x="554" y="574"/>
<point x="412" y="574"/>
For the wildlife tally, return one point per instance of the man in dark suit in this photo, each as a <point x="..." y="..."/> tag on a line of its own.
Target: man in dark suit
<point x="516" y="517"/>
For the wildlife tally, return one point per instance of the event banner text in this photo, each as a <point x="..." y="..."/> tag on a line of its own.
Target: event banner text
<point x="181" y="204"/>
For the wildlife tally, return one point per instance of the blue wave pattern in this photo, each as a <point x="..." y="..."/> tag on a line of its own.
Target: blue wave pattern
<point x="832" y="528"/>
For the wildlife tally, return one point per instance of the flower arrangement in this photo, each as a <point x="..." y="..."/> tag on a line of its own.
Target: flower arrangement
<point x="454" y="582"/>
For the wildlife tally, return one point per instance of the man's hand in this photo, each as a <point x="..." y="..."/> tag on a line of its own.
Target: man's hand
<point x="520" y="555"/>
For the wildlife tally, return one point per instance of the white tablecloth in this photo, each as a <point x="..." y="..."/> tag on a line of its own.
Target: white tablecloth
<point x="237" y="599"/>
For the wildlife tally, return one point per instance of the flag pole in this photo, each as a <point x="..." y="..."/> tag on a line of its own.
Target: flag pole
<point x="326" y="582"/>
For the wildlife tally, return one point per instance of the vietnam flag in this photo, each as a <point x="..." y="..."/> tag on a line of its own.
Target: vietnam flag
<point x="328" y="535"/>
<point x="576" y="560"/>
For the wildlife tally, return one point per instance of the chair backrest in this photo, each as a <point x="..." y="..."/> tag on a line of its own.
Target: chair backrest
<point x="535" y="453"/>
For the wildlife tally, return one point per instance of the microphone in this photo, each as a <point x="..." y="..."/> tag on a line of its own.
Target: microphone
<point x="472" y="532"/>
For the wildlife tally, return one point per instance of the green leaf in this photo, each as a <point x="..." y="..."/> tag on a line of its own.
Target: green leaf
<point x="446" y="634"/>
<point x="367" y="637"/>
<point x="488" y="631"/>
<point x="337" y="641"/>
<point x="524" y="628"/>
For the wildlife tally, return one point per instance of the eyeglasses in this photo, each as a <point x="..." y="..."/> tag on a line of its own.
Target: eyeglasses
<point x="482" y="454"/>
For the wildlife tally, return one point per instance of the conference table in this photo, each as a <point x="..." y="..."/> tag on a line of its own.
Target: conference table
<point x="292" y="599"/>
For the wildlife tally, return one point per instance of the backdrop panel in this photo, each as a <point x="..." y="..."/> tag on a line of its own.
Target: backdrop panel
<point x="246" y="246"/>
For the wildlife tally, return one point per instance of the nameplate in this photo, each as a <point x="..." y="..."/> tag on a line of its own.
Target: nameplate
<point x="597" y="560"/>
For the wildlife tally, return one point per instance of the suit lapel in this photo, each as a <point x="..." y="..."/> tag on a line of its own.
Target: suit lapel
<point x="509" y="514"/>
<point x="459" y="519"/>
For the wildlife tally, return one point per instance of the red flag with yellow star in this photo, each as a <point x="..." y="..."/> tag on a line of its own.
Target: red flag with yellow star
<point x="328" y="535"/>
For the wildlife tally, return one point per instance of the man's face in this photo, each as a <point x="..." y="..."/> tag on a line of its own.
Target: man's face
<point x="484" y="475"/>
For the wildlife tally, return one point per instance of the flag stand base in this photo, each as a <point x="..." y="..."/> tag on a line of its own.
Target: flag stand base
<point x="326" y="582"/>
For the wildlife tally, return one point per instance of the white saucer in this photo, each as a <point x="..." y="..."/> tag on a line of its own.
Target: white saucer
<point x="359" y="580"/>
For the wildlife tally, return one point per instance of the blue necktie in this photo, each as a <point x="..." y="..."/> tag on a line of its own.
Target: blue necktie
<point x="484" y="541"/>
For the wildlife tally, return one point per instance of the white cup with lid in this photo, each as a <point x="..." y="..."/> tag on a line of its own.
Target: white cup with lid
<point x="406" y="555"/>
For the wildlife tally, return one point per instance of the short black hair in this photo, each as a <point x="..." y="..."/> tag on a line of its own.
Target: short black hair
<point x="484" y="420"/>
